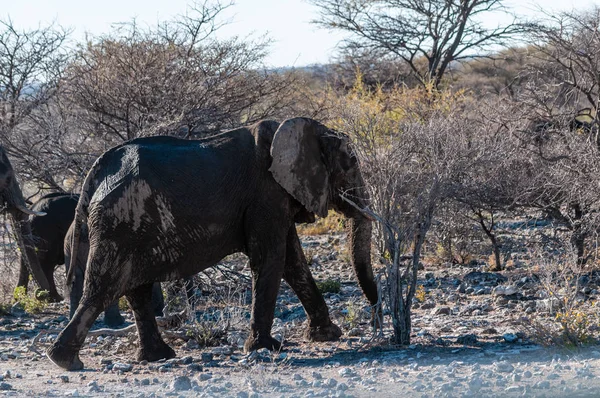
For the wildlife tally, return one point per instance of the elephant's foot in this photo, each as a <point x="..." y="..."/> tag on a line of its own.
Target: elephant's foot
<point x="113" y="320"/>
<point x="65" y="357"/>
<point x="330" y="332"/>
<point x="56" y="298"/>
<point x="261" y="341"/>
<point x="160" y="350"/>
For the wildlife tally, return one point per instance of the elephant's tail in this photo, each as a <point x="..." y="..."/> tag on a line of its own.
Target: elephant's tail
<point x="81" y="216"/>
<point x="75" y="237"/>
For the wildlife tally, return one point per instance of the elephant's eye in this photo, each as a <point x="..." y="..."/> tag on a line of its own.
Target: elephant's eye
<point x="347" y="161"/>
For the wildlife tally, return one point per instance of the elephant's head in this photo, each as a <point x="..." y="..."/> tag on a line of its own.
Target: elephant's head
<point x="317" y="166"/>
<point x="14" y="204"/>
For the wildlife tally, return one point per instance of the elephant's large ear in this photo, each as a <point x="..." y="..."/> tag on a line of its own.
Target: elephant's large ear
<point x="298" y="163"/>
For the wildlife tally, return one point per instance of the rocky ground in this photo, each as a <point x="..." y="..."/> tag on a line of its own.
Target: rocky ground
<point x="472" y="337"/>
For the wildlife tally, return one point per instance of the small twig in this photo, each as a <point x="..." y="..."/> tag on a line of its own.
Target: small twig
<point x="164" y="322"/>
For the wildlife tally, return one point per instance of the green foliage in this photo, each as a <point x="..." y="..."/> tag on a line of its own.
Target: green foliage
<point x="4" y="309"/>
<point x="123" y="305"/>
<point x="329" y="286"/>
<point x="420" y="293"/>
<point x="576" y="326"/>
<point x="353" y="315"/>
<point x="378" y="112"/>
<point x="31" y="304"/>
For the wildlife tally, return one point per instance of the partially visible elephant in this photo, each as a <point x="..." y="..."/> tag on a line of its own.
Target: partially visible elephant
<point x="49" y="234"/>
<point x="12" y="202"/>
<point x="162" y="208"/>
<point x="112" y="314"/>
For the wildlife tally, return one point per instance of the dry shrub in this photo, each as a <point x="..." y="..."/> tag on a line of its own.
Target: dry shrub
<point x="565" y="315"/>
<point x="334" y="222"/>
<point x="411" y="143"/>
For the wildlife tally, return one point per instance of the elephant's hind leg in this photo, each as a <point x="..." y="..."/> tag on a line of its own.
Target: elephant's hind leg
<point x="298" y="276"/>
<point x="98" y="292"/>
<point x="65" y="350"/>
<point x="152" y="346"/>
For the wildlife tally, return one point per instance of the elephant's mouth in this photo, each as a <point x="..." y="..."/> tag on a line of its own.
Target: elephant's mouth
<point x="8" y="202"/>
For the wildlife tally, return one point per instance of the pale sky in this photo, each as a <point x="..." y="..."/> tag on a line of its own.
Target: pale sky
<point x="297" y="42"/>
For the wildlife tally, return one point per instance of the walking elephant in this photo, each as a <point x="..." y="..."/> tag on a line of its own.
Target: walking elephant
<point x="49" y="234"/>
<point x="13" y="203"/>
<point x="162" y="208"/>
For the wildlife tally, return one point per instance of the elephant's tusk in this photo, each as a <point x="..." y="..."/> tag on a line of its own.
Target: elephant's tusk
<point x="366" y="212"/>
<point x="25" y="210"/>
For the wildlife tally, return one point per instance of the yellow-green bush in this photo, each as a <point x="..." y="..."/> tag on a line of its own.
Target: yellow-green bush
<point x="377" y="112"/>
<point x="329" y="286"/>
<point x="334" y="222"/>
<point x="31" y="303"/>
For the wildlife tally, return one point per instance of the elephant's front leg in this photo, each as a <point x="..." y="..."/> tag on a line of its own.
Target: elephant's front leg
<point x="267" y="269"/>
<point x="298" y="276"/>
<point x="23" y="274"/>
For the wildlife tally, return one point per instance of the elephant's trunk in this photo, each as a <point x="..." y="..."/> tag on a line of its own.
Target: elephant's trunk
<point x="15" y="203"/>
<point x="359" y="241"/>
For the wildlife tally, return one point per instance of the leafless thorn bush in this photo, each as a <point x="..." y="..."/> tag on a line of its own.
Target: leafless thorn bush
<point x="408" y="165"/>
<point x="565" y="316"/>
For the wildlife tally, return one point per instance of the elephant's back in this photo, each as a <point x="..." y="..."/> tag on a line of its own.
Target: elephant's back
<point x="59" y="209"/>
<point x="186" y="175"/>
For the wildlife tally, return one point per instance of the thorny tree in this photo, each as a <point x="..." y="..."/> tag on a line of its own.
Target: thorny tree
<point x="174" y="78"/>
<point x="426" y="34"/>
<point x="564" y="94"/>
<point x="408" y="163"/>
<point x="31" y="64"/>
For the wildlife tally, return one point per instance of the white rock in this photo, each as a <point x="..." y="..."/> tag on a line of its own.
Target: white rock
<point x="503" y="367"/>
<point x="181" y="383"/>
<point x="475" y="384"/>
<point x="123" y="367"/>
<point x="346" y="372"/>
<point x="504" y="290"/>
<point x="342" y="387"/>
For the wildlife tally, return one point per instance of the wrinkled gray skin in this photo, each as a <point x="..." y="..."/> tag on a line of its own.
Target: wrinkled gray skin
<point x="49" y="233"/>
<point x="161" y="208"/>
<point x="14" y="204"/>
<point x="112" y="314"/>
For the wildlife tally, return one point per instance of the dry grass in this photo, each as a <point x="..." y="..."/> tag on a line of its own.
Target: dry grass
<point x="334" y="222"/>
<point x="565" y="317"/>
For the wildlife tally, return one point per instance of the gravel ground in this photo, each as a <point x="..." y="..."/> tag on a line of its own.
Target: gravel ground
<point x="468" y="341"/>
